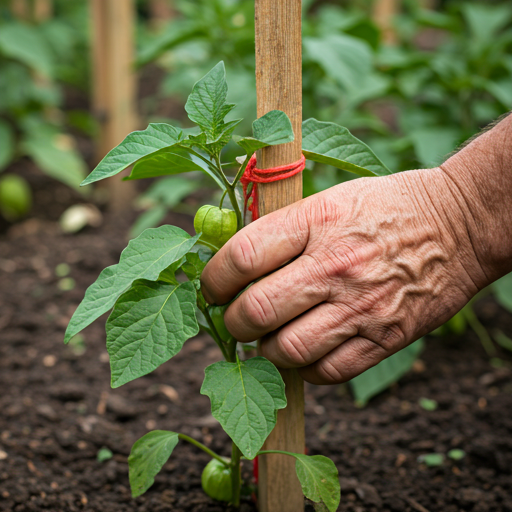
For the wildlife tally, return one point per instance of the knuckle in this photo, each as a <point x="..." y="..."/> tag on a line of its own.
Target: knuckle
<point x="258" y="309"/>
<point x="341" y="261"/>
<point x="389" y="337"/>
<point x="293" y="349"/>
<point x="243" y="254"/>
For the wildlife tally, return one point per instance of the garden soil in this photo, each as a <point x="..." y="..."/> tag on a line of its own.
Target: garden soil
<point x="57" y="410"/>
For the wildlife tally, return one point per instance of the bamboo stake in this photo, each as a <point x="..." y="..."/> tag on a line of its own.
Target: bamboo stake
<point x="279" y="86"/>
<point x="114" y="95"/>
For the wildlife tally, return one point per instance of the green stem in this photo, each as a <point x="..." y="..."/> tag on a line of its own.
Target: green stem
<point x="232" y="350"/>
<point x="479" y="330"/>
<point x="235" y="475"/>
<point x="222" y="198"/>
<point x="263" y="452"/>
<point x="241" y="171"/>
<point x="231" y="193"/>
<point x="204" y="448"/>
<point x="214" y="333"/>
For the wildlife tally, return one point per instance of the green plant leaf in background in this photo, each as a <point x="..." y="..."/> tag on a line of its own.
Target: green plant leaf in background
<point x="135" y="146"/>
<point x="346" y="59"/>
<point x="160" y="197"/>
<point x="432" y="145"/>
<point x="148" y="325"/>
<point x="381" y="376"/>
<point x="245" y="397"/>
<point x="503" y="291"/>
<point x="7" y="145"/>
<point x="23" y="42"/>
<point x="144" y="258"/>
<point x="206" y="106"/>
<point x="331" y="144"/>
<point x="147" y="457"/>
<point x="55" y="155"/>
<point x="269" y="130"/>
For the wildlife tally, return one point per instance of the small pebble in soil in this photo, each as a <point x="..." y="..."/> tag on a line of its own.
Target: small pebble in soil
<point x="49" y="361"/>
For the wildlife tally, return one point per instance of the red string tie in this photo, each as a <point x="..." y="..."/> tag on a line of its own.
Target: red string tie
<point x="254" y="175"/>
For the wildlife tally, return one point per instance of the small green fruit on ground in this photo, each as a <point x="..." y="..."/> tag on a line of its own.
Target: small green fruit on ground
<point x="217" y="225"/>
<point x="15" y="197"/>
<point x="216" y="480"/>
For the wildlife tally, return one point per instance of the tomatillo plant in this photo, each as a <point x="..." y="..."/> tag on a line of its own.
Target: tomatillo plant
<point x="155" y="296"/>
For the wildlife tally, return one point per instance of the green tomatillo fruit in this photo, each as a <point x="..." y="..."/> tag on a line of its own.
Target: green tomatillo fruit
<point x="216" y="480"/>
<point x="217" y="225"/>
<point x="15" y="197"/>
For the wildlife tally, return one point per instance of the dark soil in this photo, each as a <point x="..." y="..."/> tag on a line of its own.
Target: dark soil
<point x="57" y="409"/>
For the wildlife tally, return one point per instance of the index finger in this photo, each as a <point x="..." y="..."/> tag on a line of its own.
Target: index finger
<point x="256" y="250"/>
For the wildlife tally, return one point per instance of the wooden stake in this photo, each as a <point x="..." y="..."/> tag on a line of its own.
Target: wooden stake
<point x="279" y="86"/>
<point x="43" y="10"/>
<point x="383" y="13"/>
<point x="114" y="84"/>
<point x="161" y="12"/>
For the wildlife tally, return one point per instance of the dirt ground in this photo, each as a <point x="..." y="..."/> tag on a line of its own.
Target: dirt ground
<point x="57" y="409"/>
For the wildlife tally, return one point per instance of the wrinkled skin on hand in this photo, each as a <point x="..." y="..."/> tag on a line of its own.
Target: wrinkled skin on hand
<point x="378" y="263"/>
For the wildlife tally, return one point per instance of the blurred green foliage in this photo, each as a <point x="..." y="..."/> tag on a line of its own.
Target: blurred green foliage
<point x="413" y="102"/>
<point x="36" y="59"/>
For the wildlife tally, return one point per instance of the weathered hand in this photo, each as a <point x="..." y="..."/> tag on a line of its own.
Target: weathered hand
<point x="380" y="262"/>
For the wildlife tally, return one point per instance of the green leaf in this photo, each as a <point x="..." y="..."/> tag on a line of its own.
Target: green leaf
<point x="149" y="325"/>
<point x="135" y="146"/>
<point x="346" y="59"/>
<point x="147" y="458"/>
<point x="206" y="106"/>
<point x="7" y="145"/>
<point x="26" y="44"/>
<point x="168" y="275"/>
<point x="503" y="291"/>
<point x="318" y="477"/>
<point x="196" y="261"/>
<point x="433" y="144"/>
<point x="148" y="219"/>
<point x="144" y="258"/>
<point x="175" y="34"/>
<point x="55" y="155"/>
<point x="245" y="397"/>
<point x="269" y="130"/>
<point x="382" y="375"/>
<point x="432" y="459"/>
<point x="331" y="144"/>
<point x="104" y="454"/>
<point x="173" y="160"/>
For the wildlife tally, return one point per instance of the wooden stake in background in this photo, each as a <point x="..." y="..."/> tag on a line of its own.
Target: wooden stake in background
<point x="279" y="86"/>
<point x="114" y="84"/>
<point x="383" y="13"/>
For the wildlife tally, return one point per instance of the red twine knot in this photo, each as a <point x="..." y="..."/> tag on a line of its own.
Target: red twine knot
<point x="254" y="175"/>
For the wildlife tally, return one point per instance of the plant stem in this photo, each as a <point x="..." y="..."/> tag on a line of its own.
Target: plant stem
<point x="479" y="329"/>
<point x="231" y="193"/>
<point x="235" y="475"/>
<point x="204" y="448"/>
<point x="263" y="452"/>
<point x="222" y="198"/>
<point x="232" y="350"/>
<point x="214" y="333"/>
